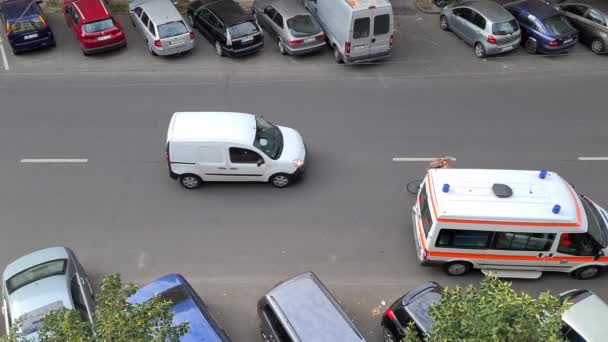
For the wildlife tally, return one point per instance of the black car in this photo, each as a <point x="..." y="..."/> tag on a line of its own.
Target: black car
<point x="413" y="306"/>
<point x="590" y="18"/>
<point x="225" y="24"/>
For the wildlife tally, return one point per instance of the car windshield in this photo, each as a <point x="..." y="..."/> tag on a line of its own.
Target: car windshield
<point x="27" y="25"/>
<point x="268" y="138"/>
<point x="172" y="29"/>
<point x="507" y="27"/>
<point x="302" y="26"/>
<point x="242" y="30"/>
<point x="32" y="321"/>
<point x="596" y="225"/>
<point x="97" y="26"/>
<point x="174" y="295"/>
<point x="558" y="25"/>
<point x="35" y="273"/>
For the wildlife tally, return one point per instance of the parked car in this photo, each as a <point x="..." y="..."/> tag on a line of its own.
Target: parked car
<point x="225" y="24"/>
<point x="232" y="147"/>
<point x="584" y="320"/>
<point x="484" y="24"/>
<point x="590" y="18"/>
<point x="301" y="309"/>
<point x="357" y="31"/>
<point x="93" y="25"/>
<point x="544" y="30"/>
<point x="294" y="30"/>
<point x="42" y="281"/>
<point x="187" y="306"/>
<point x="161" y="26"/>
<point x="25" y="26"/>
<point x="414" y="307"/>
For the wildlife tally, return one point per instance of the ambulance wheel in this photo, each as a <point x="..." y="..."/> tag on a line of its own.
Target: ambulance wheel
<point x="585" y="273"/>
<point x="457" y="268"/>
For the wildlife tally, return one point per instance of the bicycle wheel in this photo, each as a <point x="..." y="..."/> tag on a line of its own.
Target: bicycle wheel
<point x="414" y="186"/>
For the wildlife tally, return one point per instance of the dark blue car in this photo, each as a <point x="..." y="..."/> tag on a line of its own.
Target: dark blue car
<point x="25" y="25"/>
<point x="543" y="29"/>
<point x="187" y="307"/>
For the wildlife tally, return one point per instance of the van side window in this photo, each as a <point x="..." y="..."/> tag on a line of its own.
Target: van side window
<point x="361" y="28"/>
<point x="382" y="24"/>
<point x="244" y="156"/>
<point x="469" y="239"/>
<point x="577" y="244"/>
<point x="425" y="211"/>
<point x="523" y="241"/>
<point x="275" y="324"/>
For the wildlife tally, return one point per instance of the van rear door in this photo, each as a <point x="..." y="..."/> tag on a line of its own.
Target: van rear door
<point x="360" y="36"/>
<point x="381" y="32"/>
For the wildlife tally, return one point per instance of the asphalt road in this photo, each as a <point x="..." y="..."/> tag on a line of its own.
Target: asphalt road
<point x="348" y="220"/>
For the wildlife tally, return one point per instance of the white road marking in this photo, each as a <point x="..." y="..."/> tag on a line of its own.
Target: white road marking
<point x="593" y="158"/>
<point x="3" y="53"/>
<point x="55" y="161"/>
<point x="400" y="159"/>
<point x="140" y="261"/>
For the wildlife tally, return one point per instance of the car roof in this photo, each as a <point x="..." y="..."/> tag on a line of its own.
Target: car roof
<point x="311" y="311"/>
<point x="537" y="8"/>
<point x="601" y="5"/>
<point x="14" y="9"/>
<point x="489" y="9"/>
<point x="228" y="11"/>
<point x="587" y="317"/>
<point x="92" y="10"/>
<point x="418" y="302"/>
<point x="40" y="293"/>
<point x="157" y="10"/>
<point x="212" y="127"/>
<point x="471" y="197"/>
<point x="288" y="8"/>
<point x="33" y="259"/>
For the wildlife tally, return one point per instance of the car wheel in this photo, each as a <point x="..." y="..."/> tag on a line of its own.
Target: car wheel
<point x="388" y="335"/>
<point x="530" y="46"/>
<point x="457" y="268"/>
<point x="218" y="48"/>
<point x="480" y="50"/>
<point x="191" y="20"/>
<point x="338" y="56"/>
<point x="85" y="53"/>
<point x="190" y="181"/>
<point x="587" y="272"/>
<point x="282" y="48"/>
<point x="597" y="45"/>
<point x="280" y="180"/>
<point x="151" y="50"/>
<point x="443" y="23"/>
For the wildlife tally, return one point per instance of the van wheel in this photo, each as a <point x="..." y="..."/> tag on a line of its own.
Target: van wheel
<point x="480" y="50"/>
<point x="457" y="268"/>
<point x="443" y="23"/>
<point x="338" y="56"/>
<point x="585" y="273"/>
<point x="190" y="181"/>
<point x="280" y="180"/>
<point x="530" y="46"/>
<point x="597" y="45"/>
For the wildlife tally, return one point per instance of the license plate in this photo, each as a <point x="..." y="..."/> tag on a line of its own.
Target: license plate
<point x="176" y="42"/>
<point x="104" y="37"/>
<point x="30" y="36"/>
<point x="246" y="39"/>
<point x="568" y="40"/>
<point x="310" y="40"/>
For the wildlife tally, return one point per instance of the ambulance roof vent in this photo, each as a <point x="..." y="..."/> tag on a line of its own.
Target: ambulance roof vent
<point x="502" y="190"/>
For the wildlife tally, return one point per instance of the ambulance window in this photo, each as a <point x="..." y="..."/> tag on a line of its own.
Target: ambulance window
<point x="577" y="244"/>
<point x="523" y="241"/>
<point x="425" y="211"/>
<point x="454" y="238"/>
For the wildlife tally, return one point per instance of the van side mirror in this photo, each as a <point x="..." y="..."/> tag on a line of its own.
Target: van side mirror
<point x="599" y="254"/>
<point x="260" y="162"/>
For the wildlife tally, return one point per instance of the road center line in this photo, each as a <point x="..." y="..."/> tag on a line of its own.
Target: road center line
<point x="422" y="159"/>
<point x="3" y="53"/>
<point x="53" y="161"/>
<point x="592" y="158"/>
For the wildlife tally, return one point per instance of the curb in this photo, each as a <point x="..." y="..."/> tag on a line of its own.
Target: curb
<point x="437" y="10"/>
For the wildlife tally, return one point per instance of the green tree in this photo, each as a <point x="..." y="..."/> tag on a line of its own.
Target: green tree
<point x="493" y="312"/>
<point x="115" y="320"/>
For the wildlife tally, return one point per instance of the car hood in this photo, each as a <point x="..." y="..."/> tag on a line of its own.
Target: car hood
<point x="293" y="145"/>
<point x="39" y="294"/>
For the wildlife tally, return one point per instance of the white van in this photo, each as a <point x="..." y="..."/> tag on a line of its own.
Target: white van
<point x="232" y="147"/>
<point x="516" y="224"/>
<point x="357" y="30"/>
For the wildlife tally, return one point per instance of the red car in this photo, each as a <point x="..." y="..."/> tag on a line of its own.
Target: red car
<point x="93" y="25"/>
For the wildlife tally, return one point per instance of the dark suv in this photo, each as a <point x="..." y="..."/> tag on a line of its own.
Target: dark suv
<point x="226" y="25"/>
<point x="413" y="306"/>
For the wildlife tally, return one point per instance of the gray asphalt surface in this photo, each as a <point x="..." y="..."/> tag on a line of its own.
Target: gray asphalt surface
<point x="348" y="220"/>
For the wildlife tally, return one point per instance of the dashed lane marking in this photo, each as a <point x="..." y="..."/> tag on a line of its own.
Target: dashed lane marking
<point x="53" y="161"/>
<point x="418" y="159"/>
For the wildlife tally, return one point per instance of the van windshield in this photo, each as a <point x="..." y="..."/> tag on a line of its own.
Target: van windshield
<point x="595" y="222"/>
<point x="268" y="138"/>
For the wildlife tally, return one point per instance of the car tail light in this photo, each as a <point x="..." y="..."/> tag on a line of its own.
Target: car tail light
<point x="391" y="41"/>
<point x="390" y="314"/>
<point x="347" y="48"/>
<point x="553" y="43"/>
<point x="157" y="43"/>
<point x="491" y="39"/>
<point x="8" y="27"/>
<point x="296" y="42"/>
<point x="43" y="21"/>
<point x="191" y="35"/>
<point x="320" y="36"/>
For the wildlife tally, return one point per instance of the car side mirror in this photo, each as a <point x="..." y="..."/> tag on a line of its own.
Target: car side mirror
<point x="260" y="162"/>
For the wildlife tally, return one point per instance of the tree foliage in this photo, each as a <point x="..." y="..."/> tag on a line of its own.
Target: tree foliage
<point x="494" y="312"/>
<point x="115" y="320"/>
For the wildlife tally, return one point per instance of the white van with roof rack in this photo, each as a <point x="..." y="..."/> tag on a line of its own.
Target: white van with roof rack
<point x="515" y="224"/>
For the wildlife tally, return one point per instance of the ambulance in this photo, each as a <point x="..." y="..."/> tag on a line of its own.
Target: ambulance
<point x="514" y="224"/>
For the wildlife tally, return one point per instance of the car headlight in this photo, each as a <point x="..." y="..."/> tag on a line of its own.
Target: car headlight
<point x="297" y="163"/>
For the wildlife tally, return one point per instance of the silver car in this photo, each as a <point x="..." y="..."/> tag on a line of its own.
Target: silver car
<point x="45" y="280"/>
<point x="484" y="24"/>
<point x="295" y="31"/>
<point x="161" y="26"/>
<point x="585" y="320"/>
